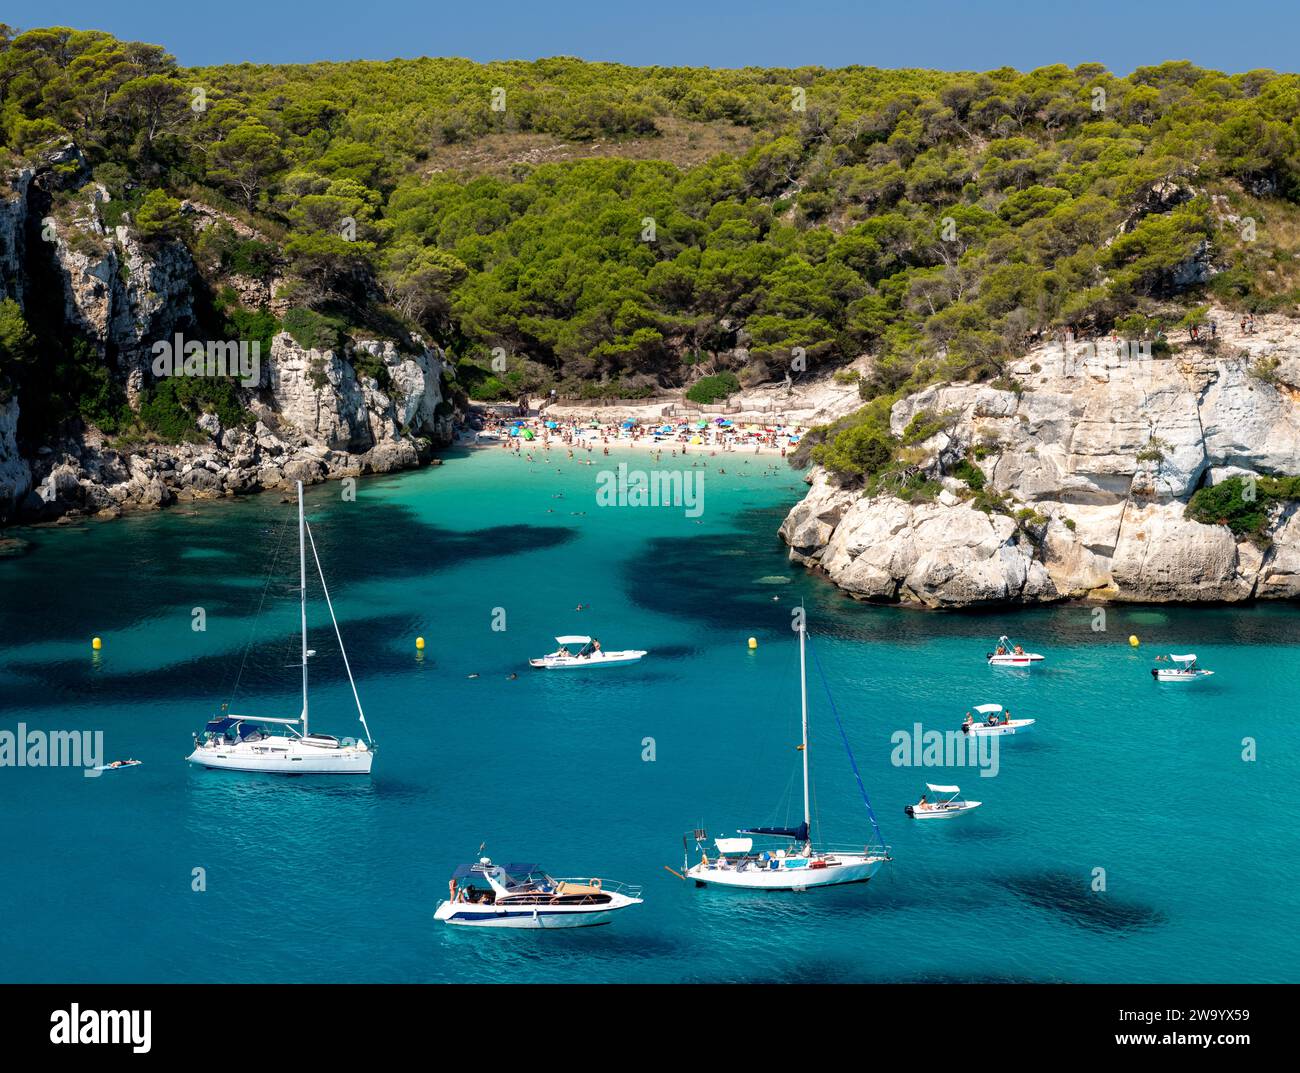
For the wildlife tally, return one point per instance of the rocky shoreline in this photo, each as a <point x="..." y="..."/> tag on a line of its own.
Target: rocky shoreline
<point x="313" y="415"/>
<point x="1096" y="454"/>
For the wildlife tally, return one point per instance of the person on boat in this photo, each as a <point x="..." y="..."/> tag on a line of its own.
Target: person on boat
<point x="1001" y="650"/>
<point x="595" y="646"/>
<point x="993" y="719"/>
<point x="564" y="650"/>
<point x="921" y="803"/>
<point x="1020" y="650"/>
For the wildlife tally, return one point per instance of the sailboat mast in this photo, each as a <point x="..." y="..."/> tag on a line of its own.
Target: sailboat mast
<point x="302" y="593"/>
<point x="803" y="701"/>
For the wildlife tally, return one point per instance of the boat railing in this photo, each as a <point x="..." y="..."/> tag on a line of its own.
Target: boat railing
<point x="854" y="847"/>
<point x="629" y="890"/>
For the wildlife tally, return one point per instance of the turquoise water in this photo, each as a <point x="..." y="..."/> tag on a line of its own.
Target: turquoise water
<point x="316" y="880"/>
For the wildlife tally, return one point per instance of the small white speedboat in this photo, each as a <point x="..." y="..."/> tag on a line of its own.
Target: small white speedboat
<point x="524" y="896"/>
<point x="1183" y="670"/>
<point x="995" y="721"/>
<point x="1007" y="654"/>
<point x="944" y="809"/>
<point x="588" y="653"/>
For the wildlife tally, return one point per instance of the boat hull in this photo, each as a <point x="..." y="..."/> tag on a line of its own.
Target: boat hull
<point x="1016" y="726"/>
<point x="941" y="814"/>
<point x="851" y="869"/>
<point x="1027" y="660"/>
<point x="535" y="918"/>
<point x="565" y="663"/>
<point x="294" y="760"/>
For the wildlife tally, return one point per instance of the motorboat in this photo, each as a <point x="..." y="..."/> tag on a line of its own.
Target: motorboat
<point x="524" y="896"/>
<point x="994" y="720"/>
<point x="284" y="746"/>
<point x="1184" y="669"/>
<point x="1008" y="654"/>
<point x="945" y="808"/>
<point x="793" y="862"/>
<point x="586" y="652"/>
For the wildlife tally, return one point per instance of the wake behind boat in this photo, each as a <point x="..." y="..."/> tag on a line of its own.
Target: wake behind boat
<point x="588" y="653"/>
<point x="275" y="745"/>
<point x="994" y="720"/>
<point x="524" y="896"/>
<point x="1008" y="654"/>
<point x="798" y="864"/>
<point x="1184" y="669"/>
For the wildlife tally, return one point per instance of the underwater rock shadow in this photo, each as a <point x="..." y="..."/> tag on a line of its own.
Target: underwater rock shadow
<point x="1068" y="896"/>
<point x="380" y="543"/>
<point x="53" y="684"/>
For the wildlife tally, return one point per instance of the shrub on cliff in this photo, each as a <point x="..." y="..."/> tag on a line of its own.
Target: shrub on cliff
<point x="159" y="218"/>
<point x="312" y="330"/>
<point x="857" y="452"/>
<point x="711" y="389"/>
<point x="1243" y="504"/>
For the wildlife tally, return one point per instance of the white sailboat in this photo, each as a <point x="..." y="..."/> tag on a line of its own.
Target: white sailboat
<point x="798" y="865"/>
<point x="287" y="746"/>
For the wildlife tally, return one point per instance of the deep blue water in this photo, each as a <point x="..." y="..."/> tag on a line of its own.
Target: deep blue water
<point x="315" y="880"/>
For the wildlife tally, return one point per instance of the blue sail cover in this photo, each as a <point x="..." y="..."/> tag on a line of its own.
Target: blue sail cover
<point x="219" y="726"/>
<point x="799" y="834"/>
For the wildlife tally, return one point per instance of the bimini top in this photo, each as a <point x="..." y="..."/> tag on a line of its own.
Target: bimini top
<point x="573" y="639"/>
<point x="1183" y="659"/>
<point x="985" y="709"/>
<point x="942" y="789"/>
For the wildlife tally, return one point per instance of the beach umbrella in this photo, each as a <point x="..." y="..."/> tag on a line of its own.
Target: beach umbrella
<point x="514" y="431"/>
<point x="696" y="439"/>
<point x="629" y="424"/>
<point x="551" y="424"/>
<point x="701" y="424"/>
<point x="528" y="434"/>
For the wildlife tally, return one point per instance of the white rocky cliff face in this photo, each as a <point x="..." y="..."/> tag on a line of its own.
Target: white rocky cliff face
<point x="1102" y="452"/>
<point x="317" y="416"/>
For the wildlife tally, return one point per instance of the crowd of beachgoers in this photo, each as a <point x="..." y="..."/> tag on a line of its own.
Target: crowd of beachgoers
<point x="680" y="437"/>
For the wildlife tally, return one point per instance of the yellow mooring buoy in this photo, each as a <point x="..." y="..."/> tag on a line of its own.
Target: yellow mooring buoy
<point x="1132" y="639"/>
<point x="96" y="644"/>
<point x="753" y="643"/>
<point x="419" y="644"/>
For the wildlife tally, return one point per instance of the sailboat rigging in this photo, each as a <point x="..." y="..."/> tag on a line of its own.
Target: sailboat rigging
<point x="287" y="746"/>
<point x="738" y="864"/>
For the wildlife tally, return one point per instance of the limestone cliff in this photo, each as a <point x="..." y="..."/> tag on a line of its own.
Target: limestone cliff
<point x="318" y="416"/>
<point x="1096" y="451"/>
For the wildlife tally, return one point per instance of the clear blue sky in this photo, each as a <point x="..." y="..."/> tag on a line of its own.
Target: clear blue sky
<point x="946" y="34"/>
